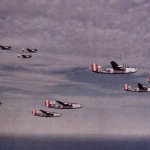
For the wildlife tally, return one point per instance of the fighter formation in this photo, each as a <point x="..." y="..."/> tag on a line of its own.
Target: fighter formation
<point x="27" y="50"/>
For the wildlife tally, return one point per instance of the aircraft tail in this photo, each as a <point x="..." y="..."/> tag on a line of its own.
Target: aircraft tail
<point x="114" y="64"/>
<point x="126" y="87"/>
<point x="47" y="103"/>
<point x="33" y="112"/>
<point x="95" y="67"/>
<point x="141" y="86"/>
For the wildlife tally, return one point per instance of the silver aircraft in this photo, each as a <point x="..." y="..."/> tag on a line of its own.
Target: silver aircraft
<point x="116" y="69"/>
<point x="140" y="88"/>
<point x="61" y="105"/>
<point x="42" y="113"/>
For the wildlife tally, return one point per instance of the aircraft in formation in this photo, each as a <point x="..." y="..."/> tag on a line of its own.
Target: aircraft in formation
<point x="42" y="113"/>
<point x="116" y="69"/>
<point x="121" y="69"/>
<point x="29" y="50"/>
<point x="5" y="47"/>
<point x="56" y="105"/>
<point x="24" y="56"/>
<point x="61" y="105"/>
<point x="140" y="88"/>
<point x="23" y="50"/>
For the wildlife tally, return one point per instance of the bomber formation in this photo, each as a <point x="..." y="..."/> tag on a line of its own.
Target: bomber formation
<point x="114" y="69"/>
<point x="55" y="105"/>
<point x="120" y="69"/>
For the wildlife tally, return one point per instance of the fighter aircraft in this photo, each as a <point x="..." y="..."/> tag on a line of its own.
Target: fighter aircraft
<point x="24" y="56"/>
<point x="61" y="105"/>
<point x="42" y="113"/>
<point x="140" y="88"/>
<point x="116" y="69"/>
<point x="5" y="47"/>
<point x="29" y="50"/>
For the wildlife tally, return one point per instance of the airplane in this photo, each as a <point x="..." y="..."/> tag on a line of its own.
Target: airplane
<point x="61" y="105"/>
<point x="5" y="47"/>
<point x="42" y="113"/>
<point x="29" y="50"/>
<point x="140" y="88"/>
<point x="116" y="69"/>
<point x="24" y="56"/>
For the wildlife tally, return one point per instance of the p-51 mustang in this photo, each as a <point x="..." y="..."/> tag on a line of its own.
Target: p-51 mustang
<point x="5" y="47"/>
<point x="42" y="113"/>
<point x="140" y="88"/>
<point x="61" y="105"/>
<point x="116" y="69"/>
<point x="24" y="56"/>
<point x="29" y="50"/>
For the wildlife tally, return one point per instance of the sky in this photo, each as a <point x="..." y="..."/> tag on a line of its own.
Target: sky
<point x="70" y="36"/>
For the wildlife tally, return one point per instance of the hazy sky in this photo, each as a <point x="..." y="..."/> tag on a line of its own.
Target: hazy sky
<point x="69" y="36"/>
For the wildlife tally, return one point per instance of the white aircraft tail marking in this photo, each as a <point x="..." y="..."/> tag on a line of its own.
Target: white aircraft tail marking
<point x="47" y="103"/>
<point x="33" y="112"/>
<point x="126" y="87"/>
<point x="94" y="67"/>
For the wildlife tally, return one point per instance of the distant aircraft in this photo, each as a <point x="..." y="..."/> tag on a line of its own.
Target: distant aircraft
<point x="42" y="113"/>
<point x="5" y="47"/>
<point x="29" y="50"/>
<point x="24" y="56"/>
<point x="61" y="105"/>
<point x="116" y="69"/>
<point x="140" y="88"/>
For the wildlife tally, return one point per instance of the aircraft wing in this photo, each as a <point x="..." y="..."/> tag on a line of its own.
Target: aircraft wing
<point x="114" y="65"/>
<point x="61" y="103"/>
<point x="44" y="112"/>
<point x="141" y="87"/>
